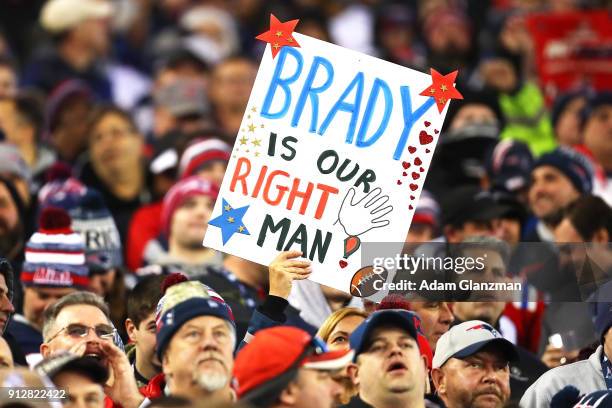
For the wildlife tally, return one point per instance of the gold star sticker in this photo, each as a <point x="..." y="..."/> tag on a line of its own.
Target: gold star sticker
<point x="290" y="39"/>
<point x="276" y="46"/>
<point x="432" y="91"/>
<point x="230" y="219"/>
<point x="254" y="109"/>
<point x="279" y="33"/>
<point x="256" y="154"/>
<point x="443" y="88"/>
<point x="251" y="127"/>
<point x="243" y="140"/>
<point x="256" y="142"/>
<point x="241" y="228"/>
<point x="442" y="100"/>
<point x="227" y="207"/>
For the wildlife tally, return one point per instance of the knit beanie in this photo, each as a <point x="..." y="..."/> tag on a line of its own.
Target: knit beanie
<point x="90" y="218"/>
<point x="200" y="153"/>
<point x="572" y="164"/>
<point x="189" y="187"/>
<point x="55" y="255"/>
<point x="182" y="301"/>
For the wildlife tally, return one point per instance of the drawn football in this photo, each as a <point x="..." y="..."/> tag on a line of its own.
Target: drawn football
<point x="363" y="281"/>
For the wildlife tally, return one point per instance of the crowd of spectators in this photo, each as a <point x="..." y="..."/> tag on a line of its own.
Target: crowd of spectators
<point x="117" y="122"/>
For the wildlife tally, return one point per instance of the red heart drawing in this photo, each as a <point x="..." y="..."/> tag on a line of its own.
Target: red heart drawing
<point x="411" y="149"/>
<point x="410" y="207"/>
<point x="436" y="131"/>
<point x="343" y="263"/>
<point x="421" y="169"/>
<point x="417" y="161"/>
<point x="415" y="175"/>
<point x="427" y="150"/>
<point x="405" y="165"/>
<point x="413" y="187"/>
<point x="404" y="174"/>
<point x="412" y="197"/>
<point x="399" y="182"/>
<point x="425" y="138"/>
<point x="427" y="123"/>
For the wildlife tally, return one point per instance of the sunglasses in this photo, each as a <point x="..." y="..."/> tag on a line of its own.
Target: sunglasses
<point x="75" y="330"/>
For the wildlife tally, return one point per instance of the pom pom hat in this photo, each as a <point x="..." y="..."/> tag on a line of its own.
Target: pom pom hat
<point x="55" y="255"/>
<point x="184" y="300"/>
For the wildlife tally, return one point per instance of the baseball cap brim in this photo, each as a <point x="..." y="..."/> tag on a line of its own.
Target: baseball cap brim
<point x="399" y="318"/>
<point x="330" y="361"/>
<point x="506" y="347"/>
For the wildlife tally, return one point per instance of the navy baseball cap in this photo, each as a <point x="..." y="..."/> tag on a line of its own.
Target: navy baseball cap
<point x="395" y="317"/>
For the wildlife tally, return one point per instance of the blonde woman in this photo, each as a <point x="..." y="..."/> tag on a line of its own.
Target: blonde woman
<point x="335" y="331"/>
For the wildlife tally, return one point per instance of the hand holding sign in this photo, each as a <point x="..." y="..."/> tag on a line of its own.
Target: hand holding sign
<point x="365" y="214"/>
<point x="284" y="269"/>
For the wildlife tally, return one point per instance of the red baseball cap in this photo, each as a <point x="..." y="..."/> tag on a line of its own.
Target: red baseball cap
<point x="262" y="374"/>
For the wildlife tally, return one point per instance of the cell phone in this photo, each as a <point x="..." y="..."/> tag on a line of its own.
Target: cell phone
<point x="556" y="340"/>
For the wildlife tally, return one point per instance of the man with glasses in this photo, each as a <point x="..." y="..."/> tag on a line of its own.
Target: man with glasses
<point x="80" y="323"/>
<point x="286" y="367"/>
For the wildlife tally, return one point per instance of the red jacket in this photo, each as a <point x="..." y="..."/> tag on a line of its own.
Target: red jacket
<point x="145" y="226"/>
<point x="155" y="388"/>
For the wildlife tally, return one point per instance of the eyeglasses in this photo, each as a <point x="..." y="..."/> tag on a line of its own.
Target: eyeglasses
<point x="75" y="330"/>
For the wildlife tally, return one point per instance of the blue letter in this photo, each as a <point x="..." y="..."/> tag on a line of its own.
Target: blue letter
<point x="283" y="83"/>
<point x="312" y="92"/>
<point x="410" y="118"/>
<point x="347" y="107"/>
<point x="367" y="115"/>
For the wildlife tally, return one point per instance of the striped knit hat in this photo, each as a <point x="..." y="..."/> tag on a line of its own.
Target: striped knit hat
<point x="55" y="255"/>
<point x="182" y="301"/>
<point x="201" y="152"/>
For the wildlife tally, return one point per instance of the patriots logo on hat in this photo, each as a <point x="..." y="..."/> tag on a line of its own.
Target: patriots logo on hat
<point x="485" y="327"/>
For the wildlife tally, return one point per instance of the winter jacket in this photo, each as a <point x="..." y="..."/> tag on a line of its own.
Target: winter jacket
<point x="586" y="375"/>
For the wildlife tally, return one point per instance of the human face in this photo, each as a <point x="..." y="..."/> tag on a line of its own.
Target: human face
<point x="420" y="233"/>
<point x="598" y="135"/>
<point x="339" y="337"/>
<point x="200" y="352"/>
<point x="494" y="270"/>
<point x="316" y="389"/>
<point x="231" y="84"/>
<point x="6" y="357"/>
<point x="36" y="300"/>
<point x="8" y="82"/>
<point x="81" y="391"/>
<point x="86" y="315"/>
<point x="6" y="306"/>
<point x="391" y="366"/>
<point x="550" y="191"/>
<point x="473" y="114"/>
<point x="566" y="233"/>
<point x="508" y="229"/>
<point x="70" y="136"/>
<point x="102" y="283"/>
<point x="436" y="318"/>
<point x="189" y="222"/>
<point x="213" y="172"/>
<point x="8" y="122"/>
<point x="479" y="381"/>
<point x="115" y="147"/>
<point x="144" y="339"/>
<point x="567" y="129"/>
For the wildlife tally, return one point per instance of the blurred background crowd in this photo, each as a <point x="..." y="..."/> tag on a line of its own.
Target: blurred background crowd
<point x="118" y="118"/>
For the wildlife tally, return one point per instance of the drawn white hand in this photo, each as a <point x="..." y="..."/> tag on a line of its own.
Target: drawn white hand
<point x="360" y="216"/>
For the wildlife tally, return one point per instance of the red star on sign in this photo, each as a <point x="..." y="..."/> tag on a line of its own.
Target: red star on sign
<point x="279" y="34"/>
<point x="442" y="88"/>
